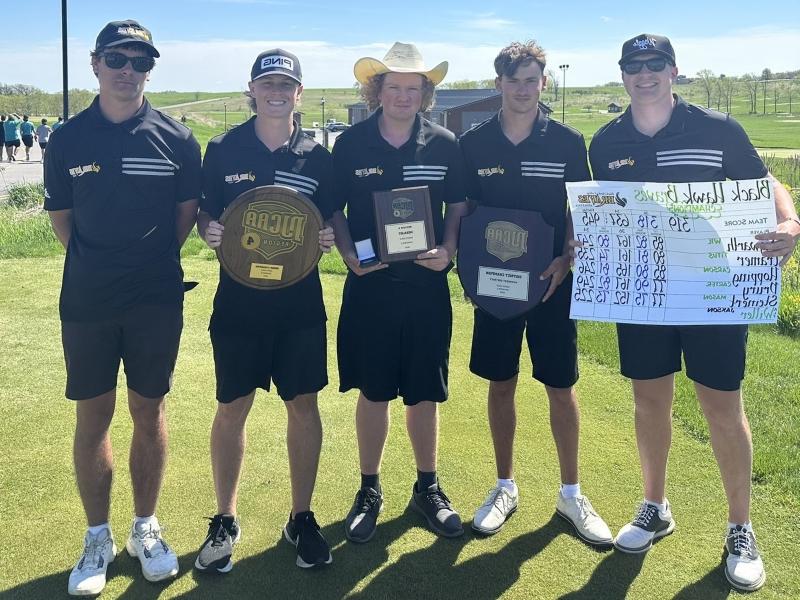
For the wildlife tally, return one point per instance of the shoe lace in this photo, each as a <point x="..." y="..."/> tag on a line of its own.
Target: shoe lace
<point x="367" y="499"/>
<point x="742" y="542"/>
<point x="644" y="515"/>
<point x="217" y="530"/>
<point x="498" y="497"/>
<point x="152" y="541"/>
<point x="585" y="507"/>
<point x="93" y="551"/>
<point x="438" y="498"/>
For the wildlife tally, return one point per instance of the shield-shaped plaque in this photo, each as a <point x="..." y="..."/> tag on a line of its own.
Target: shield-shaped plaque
<point x="271" y="237"/>
<point x="501" y="253"/>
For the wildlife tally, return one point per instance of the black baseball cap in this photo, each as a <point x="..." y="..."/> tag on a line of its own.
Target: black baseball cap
<point x="119" y="33"/>
<point x="647" y="43"/>
<point x="276" y="61"/>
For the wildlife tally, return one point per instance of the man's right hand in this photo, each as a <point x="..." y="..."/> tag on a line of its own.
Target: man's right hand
<point x="213" y="234"/>
<point x="352" y="262"/>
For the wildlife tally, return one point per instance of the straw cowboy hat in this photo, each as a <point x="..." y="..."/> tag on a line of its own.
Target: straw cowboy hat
<point x="401" y="58"/>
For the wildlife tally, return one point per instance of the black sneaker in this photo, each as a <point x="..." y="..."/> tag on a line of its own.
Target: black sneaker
<point x="361" y="521"/>
<point x="744" y="568"/>
<point x="437" y="510"/>
<point x="303" y="532"/>
<point x="649" y="524"/>
<point x="215" y="553"/>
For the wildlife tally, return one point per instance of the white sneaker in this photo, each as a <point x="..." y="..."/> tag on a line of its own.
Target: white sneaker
<point x="744" y="568"/>
<point x="493" y="513"/>
<point x="589" y="526"/>
<point x="648" y="525"/>
<point x="88" y="576"/>
<point x="158" y="560"/>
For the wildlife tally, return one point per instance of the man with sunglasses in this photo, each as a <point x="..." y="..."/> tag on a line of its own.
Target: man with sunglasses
<point x="122" y="185"/>
<point x="663" y="138"/>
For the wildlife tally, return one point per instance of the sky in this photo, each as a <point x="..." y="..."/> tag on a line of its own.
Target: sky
<point x="210" y="45"/>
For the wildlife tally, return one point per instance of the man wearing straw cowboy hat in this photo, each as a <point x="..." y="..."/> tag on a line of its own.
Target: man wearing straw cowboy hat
<point x="395" y="322"/>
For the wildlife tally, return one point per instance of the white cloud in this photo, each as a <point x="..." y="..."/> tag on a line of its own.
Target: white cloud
<point x="605" y="19"/>
<point x="486" y="22"/>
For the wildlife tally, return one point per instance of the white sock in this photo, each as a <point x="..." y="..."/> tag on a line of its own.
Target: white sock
<point x="151" y="520"/>
<point x="95" y="529"/>
<point x="571" y="490"/>
<point x="662" y="506"/>
<point x="509" y="484"/>
<point x="748" y="525"/>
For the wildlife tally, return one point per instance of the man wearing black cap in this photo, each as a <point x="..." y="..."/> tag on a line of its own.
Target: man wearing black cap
<point x="663" y="138"/>
<point x="261" y="335"/>
<point x="122" y="182"/>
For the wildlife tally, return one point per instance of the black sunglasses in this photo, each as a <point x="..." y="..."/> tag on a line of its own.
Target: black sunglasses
<point x="140" y="64"/>
<point x="655" y="65"/>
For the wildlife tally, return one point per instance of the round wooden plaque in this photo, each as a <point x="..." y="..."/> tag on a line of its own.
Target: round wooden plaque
<point x="271" y="237"/>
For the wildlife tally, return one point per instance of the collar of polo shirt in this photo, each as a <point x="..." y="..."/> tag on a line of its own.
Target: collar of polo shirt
<point x="676" y="123"/>
<point x="420" y="130"/>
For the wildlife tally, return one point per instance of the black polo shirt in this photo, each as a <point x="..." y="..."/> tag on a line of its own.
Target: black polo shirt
<point x="528" y="176"/>
<point x="122" y="182"/>
<point x="364" y="163"/>
<point x="235" y="162"/>
<point x="698" y="144"/>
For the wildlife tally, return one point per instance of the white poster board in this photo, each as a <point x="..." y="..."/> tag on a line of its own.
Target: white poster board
<point x="673" y="253"/>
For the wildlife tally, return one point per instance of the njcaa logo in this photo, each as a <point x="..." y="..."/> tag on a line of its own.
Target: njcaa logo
<point x="644" y="43"/>
<point x="402" y="208"/>
<point x="368" y="172"/>
<point x="602" y="199"/>
<point x="239" y="177"/>
<point x="506" y="240"/>
<point x="277" y="61"/>
<point x="498" y="170"/>
<point x="623" y="162"/>
<point x="133" y="32"/>
<point x="272" y="228"/>
<point x="79" y="171"/>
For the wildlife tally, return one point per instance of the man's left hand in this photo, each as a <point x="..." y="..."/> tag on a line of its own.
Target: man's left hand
<point x="437" y="259"/>
<point x="558" y="269"/>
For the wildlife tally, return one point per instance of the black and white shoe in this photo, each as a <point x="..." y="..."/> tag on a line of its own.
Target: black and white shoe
<point x="435" y="506"/>
<point x="362" y="520"/>
<point x="303" y="532"/>
<point x="744" y="568"/>
<point x="217" y="550"/>
<point x="648" y="525"/>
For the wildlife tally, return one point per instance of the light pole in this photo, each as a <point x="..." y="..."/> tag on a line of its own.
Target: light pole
<point x="563" y="91"/>
<point x="324" y="128"/>
<point x="65" y="78"/>
<point x="322" y="104"/>
<point x="225" y="115"/>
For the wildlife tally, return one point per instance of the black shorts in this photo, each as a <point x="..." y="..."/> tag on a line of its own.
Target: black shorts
<point x="27" y="140"/>
<point x="12" y="143"/>
<point x="42" y="145"/>
<point x="296" y="360"/>
<point x="146" y="338"/>
<point x="552" y="341"/>
<point x="394" y="338"/>
<point x="714" y="354"/>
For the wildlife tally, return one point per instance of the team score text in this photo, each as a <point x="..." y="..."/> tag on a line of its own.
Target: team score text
<point x="657" y="300"/>
<point x="585" y="281"/>
<point x="586" y="253"/>
<point x="589" y="218"/>
<point x="658" y="243"/>
<point x="622" y="283"/>
<point x="622" y="298"/>
<point x="646" y="221"/>
<point x="623" y="241"/>
<point x="618" y="219"/>
<point x="582" y="295"/>
<point x="586" y="268"/>
<point x="680" y="224"/>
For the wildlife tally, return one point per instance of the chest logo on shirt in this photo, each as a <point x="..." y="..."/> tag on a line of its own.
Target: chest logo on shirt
<point x="80" y="171"/>
<point x="369" y="171"/>
<point x="489" y="171"/>
<point x="622" y="162"/>
<point x="506" y="240"/>
<point x="239" y="177"/>
<point x="272" y="228"/>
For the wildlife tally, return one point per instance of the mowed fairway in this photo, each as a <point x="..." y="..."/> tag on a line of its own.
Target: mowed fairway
<point x="535" y="556"/>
